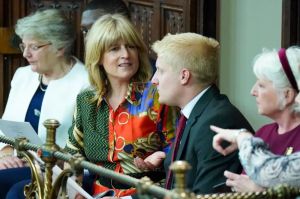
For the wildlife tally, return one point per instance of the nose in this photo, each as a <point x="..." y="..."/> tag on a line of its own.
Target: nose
<point x="124" y="52"/>
<point x="253" y="91"/>
<point x="154" y="79"/>
<point x="297" y="99"/>
<point x="26" y="53"/>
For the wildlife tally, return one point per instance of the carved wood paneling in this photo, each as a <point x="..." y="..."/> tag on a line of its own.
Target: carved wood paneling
<point x="153" y="18"/>
<point x="142" y="15"/>
<point x="73" y="10"/>
<point x="290" y="23"/>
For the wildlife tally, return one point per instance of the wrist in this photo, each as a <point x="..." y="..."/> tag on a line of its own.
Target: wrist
<point x="242" y="135"/>
<point x="236" y="133"/>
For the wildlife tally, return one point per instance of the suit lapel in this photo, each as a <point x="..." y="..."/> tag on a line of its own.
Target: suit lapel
<point x="195" y="114"/>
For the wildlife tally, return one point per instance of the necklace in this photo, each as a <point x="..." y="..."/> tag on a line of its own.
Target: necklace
<point x="41" y="84"/>
<point x="43" y="87"/>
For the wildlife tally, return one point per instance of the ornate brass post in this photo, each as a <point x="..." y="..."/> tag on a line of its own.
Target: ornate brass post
<point x="47" y="154"/>
<point x="180" y="169"/>
<point x="35" y="188"/>
<point x="50" y="153"/>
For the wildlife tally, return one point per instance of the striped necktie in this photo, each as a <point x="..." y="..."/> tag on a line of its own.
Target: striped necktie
<point x="179" y="132"/>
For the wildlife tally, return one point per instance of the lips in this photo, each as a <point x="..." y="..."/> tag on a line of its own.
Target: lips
<point x="124" y="64"/>
<point x="31" y="62"/>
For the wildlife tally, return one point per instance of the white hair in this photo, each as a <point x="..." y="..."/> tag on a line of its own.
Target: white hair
<point x="267" y="65"/>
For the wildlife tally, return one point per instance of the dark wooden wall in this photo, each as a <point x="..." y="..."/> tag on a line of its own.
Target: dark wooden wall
<point x="290" y="23"/>
<point x="153" y="18"/>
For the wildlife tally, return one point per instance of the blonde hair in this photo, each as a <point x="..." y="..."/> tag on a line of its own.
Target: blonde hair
<point x="198" y="53"/>
<point x="107" y="31"/>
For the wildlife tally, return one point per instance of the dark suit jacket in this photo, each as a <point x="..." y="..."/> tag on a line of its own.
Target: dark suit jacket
<point x="208" y="165"/>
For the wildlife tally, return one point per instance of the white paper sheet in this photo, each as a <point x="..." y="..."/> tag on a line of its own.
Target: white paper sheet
<point x="72" y="187"/>
<point x="15" y="130"/>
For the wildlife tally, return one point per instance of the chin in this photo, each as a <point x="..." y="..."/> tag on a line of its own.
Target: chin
<point x="34" y="69"/>
<point x="165" y="101"/>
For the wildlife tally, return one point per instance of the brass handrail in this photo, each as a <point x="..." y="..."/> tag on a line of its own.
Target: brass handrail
<point x="50" y="153"/>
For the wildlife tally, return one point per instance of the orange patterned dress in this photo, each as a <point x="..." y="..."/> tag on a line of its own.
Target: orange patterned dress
<point x="113" y="138"/>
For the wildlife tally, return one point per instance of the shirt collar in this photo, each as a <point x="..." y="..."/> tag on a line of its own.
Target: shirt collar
<point x="133" y="95"/>
<point x="187" y="109"/>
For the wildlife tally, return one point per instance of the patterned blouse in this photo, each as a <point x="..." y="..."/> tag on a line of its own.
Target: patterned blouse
<point x="113" y="138"/>
<point x="267" y="169"/>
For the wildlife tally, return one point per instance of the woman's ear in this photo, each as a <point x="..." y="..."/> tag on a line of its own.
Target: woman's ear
<point x="60" y="52"/>
<point x="290" y="95"/>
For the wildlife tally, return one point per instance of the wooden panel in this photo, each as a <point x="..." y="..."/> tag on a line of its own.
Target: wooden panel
<point x="11" y="11"/>
<point x="73" y="10"/>
<point x="172" y="20"/>
<point x="290" y="23"/>
<point x="142" y="16"/>
<point x="153" y="18"/>
<point x="6" y="46"/>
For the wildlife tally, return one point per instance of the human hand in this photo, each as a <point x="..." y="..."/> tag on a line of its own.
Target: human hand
<point x="224" y="135"/>
<point x="79" y="196"/>
<point x="11" y="162"/>
<point x="152" y="162"/>
<point x="241" y="183"/>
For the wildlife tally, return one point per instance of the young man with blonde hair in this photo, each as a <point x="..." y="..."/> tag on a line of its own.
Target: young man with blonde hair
<point x="187" y="69"/>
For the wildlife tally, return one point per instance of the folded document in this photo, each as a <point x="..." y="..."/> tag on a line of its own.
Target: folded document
<point x="15" y="130"/>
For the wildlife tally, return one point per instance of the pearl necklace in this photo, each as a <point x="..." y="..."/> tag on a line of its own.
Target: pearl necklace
<point x="40" y="85"/>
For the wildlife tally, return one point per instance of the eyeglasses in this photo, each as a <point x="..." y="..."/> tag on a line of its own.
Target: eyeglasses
<point x="32" y="47"/>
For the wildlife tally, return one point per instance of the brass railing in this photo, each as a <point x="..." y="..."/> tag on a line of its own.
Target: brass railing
<point x="43" y="187"/>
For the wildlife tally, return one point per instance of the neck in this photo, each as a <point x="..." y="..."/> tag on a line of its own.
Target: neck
<point x="117" y="93"/>
<point x="287" y="121"/>
<point x="59" y="70"/>
<point x="190" y="92"/>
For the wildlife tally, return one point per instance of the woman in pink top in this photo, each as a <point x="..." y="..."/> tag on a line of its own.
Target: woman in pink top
<point x="275" y="92"/>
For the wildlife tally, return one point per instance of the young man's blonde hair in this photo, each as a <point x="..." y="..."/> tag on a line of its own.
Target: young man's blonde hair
<point x="107" y="31"/>
<point x="195" y="52"/>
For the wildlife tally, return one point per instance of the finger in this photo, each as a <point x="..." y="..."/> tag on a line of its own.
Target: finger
<point x="3" y="166"/>
<point x="16" y="162"/>
<point x="231" y="148"/>
<point x="231" y="175"/>
<point x="137" y="161"/>
<point x="161" y="154"/>
<point x="12" y="162"/>
<point x="79" y="196"/>
<point x="217" y="129"/>
<point x="140" y="163"/>
<point x="217" y="140"/>
<point x="149" y="165"/>
<point x="229" y="183"/>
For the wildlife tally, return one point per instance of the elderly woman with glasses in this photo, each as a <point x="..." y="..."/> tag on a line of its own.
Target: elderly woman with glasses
<point x="276" y="92"/>
<point x="46" y="88"/>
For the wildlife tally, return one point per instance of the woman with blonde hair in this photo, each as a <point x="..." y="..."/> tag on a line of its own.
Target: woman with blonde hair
<point x="120" y="117"/>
